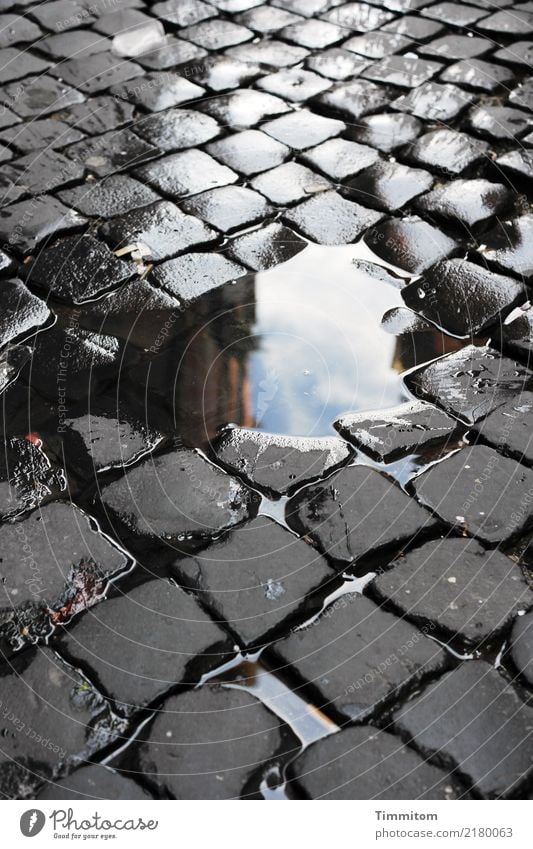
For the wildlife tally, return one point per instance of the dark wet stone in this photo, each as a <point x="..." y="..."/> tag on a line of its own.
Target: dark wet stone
<point x="206" y="744"/>
<point x="77" y="269"/>
<point x="337" y="64"/>
<point x="172" y="53"/>
<point x="35" y="135"/>
<point x="519" y="163"/>
<point x="405" y="429"/>
<point x="272" y="53"/>
<point x="340" y="158"/>
<point x="220" y="73"/>
<point x="348" y="645"/>
<point x="54" y="564"/>
<point x="39" y="96"/>
<point x="94" y="782"/>
<point x="293" y="84"/>
<point x="480" y="492"/>
<point x="114" y="195"/>
<point x="21" y="314"/>
<point x="456" y="47"/>
<point x="161" y="638"/>
<point x="156" y="499"/>
<point x="477" y="74"/>
<point x="98" y="72"/>
<point x="458" y="586"/>
<point x="279" y="464"/>
<point x="25" y="225"/>
<point x="312" y="33"/>
<point x="376" y="45"/>
<point x="517" y="335"/>
<point x="257" y="580"/>
<point x="161" y="228"/>
<point x="75" y="42"/>
<point x="522" y="646"/>
<point x="470" y="383"/>
<point x="216" y="34"/>
<point x="522" y="95"/>
<point x="249" y="152"/>
<point x="266" y="247"/>
<point x="454" y="13"/>
<point x="448" y="151"/>
<point x="12" y="360"/>
<point x="99" y="115"/>
<point x="177" y="129"/>
<point x="510" y="246"/>
<point x="15" y="64"/>
<point x="26" y="478"/>
<point x="111" y="152"/>
<point x="53" y="720"/>
<point x="387" y="132"/>
<point x="358" y="17"/>
<point x="43" y="171"/>
<point x="192" y="275"/>
<point x="267" y="19"/>
<point x="509" y="428"/>
<point x="229" y="208"/>
<point x="289" y="183"/>
<point x="462" y="297"/>
<point x="158" y="91"/>
<point x="244" y="108"/>
<point x="352" y="100"/>
<point x="365" y="763"/>
<point x="333" y="514"/>
<point x="184" y="13"/>
<point x="470" y="201"/>
<point x="512" y="22"/>
<point x="303" y="129"/>
<point x="416" y="28"/>
<point x="68" y="363"/>
<point x="185" y="173"/>
<point x="404" y="71"/>
<point x="329" y="219"/>
<point x="434" y="102"/>
<point x="481" y="728"/>
<point x="499" y="122"/>
<point x="15" y="29"/>
<point x="388" y="185"/>
<point x="409" y="243"/>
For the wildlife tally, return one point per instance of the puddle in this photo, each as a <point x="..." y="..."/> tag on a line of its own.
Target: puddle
<point x="290" y="349"/>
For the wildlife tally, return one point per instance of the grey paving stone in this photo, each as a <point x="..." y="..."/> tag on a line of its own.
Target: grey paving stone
<point x="477" y="74"/>
<point x="499" y="122"/>
<point x="43" y="171"/>
<point x="289" y="183"/>
<point x="98" y="72"/>
<point x="462" y="297"/>
<point x="509" y="247"/>
<point x="279" y="464"/>
<point x="229" y="207"/>
<point x="15" y="64"/>
<point x="448" y="151"/>
<point x="76" y="43"/>
<point x="57" y="728"/>
<point x="456" y="47"/>
<point x="312" y="33"/>
<point x="517" y="163"/>
<point x="434" y="102"/>
<point x="244" y="108"/>
<point x="409" y="243"/>
<point x="479" y="491"/>
<point x="177" y="129"/>
<point x="155" y="499"/>
<point x="294" y="84"/>
<point x="94" y="782"/>
<point x="27" y="479"/>
<point x="358" y="16"/>
<point x="458" y="585"/>
<point x="143" y="643"/>
<point x="267" y="19"/>
<point x="366" y="763"/>
<point x="99" y="114"/>
<point x="472" y="719"/>
<point x="470" y="383"/>
<point x="340" y="158"/>
<point x="337" y="63"/>
<point x="387" y="131"/>
<point x="257" y="580"/>
<point x="54" y="565"/>
<point x="303" y="129"/>
<point x="120" y="20"/>
<point x="8" y="118"/>
<point x="457" y="14"/>
<point x="220" y="73"/>
<point x="174" y="52"/>
<point x="25" y="225"/>
<point x="508" y="22"/>
<point x="39" y="96"/>
<point x="272" y="53"/>
<point x="188" y="172"/>
<point x="249" y="151"/>
<point x="161" y="227"/>
<point x="12" y="360"/>
<point x="158" y="90"/>
<point x="7" y="265"/>
<point x="403" y="71"/>
<point x="113" y="195"/>
<point x="517" y="335"/>
<point x="398" y="431"/>
<point x="376" y="45"/>
<point x="521" y="646"/>
<point x="329" y="219"/>
<point x="216" y="34"/>
<point x="472" y="202"/>
<point x="208" y="743"/>
<point x="110" y="152"/>
<point x="509" y="428"/>
<point x="192" y="275"/>
<point x="522" y="95"/>
<point x="340" y="658"/>
<point x="333" y="513"/>
<point x="266" y="247"/>
<point x="184" y="13"/>
<point x="388" y="186"/>
<point x="22" y="313"/>
<point x="48" y="133"/>
<point x="352" y="100"/>
<point x="16" y="29"/>
<point x="415" y="27"/>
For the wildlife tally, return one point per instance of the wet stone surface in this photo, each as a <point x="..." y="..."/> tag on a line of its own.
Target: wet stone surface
<point x="472" y="202"/>
<point x="521" y="646"/>
<point x="94" y="782"/>
<point x="410" y="244"/>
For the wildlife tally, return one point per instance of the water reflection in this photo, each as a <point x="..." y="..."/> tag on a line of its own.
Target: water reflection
<point x="290" y="349"/>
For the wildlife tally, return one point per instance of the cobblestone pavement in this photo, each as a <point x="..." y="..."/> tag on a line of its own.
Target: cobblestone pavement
<point x="195" y="607"/>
